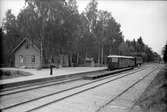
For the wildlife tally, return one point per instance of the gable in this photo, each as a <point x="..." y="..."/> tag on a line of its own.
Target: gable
<point x="25" y="45"/>
<point x="27" y="48"/>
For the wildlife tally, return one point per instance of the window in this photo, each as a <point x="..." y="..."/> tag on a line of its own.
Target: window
<point x="33" y="59"/>
<point x="27" y="45"/>
<point x="21" y="59"/>
<point x="114" y="59"/>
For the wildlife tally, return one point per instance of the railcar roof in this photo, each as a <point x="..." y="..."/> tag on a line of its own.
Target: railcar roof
<point x="119" y="56"/>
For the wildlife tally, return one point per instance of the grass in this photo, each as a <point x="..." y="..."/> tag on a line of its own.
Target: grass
<point x="154" y="99"/>
<point x="8" y="74"/>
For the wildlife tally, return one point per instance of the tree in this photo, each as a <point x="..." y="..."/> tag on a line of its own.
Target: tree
<point x="89" y="19"/>
<point x="100" y="32"/>
<point x="59" y="26"/>
<point x="123" y="49"/>
<point x="126" y="48"/>
<point x="91" y="14"/>
<point x="73" y="5"/>
<point x="114" y="36"/>
<point x="140" y="44"/>
<point x="106" y="31"/>
<point x="47" y="11"/>
<point x="11" y="35"/>
<point x="165" y="53"/>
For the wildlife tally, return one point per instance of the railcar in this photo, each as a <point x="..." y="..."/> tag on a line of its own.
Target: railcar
<point x="117" y="61"/>
<point x="138" y="61"/>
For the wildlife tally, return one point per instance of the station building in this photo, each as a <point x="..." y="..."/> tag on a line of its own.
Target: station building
<point x="27" y="55"/>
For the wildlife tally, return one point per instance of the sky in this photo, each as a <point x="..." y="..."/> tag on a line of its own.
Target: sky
<point x="147" y="19"/>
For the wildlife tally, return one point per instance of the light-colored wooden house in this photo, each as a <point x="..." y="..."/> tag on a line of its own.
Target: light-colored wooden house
<point x="26" y="54"/>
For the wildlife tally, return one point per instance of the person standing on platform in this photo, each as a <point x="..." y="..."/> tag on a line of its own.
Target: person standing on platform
<point x="51" y="65"/>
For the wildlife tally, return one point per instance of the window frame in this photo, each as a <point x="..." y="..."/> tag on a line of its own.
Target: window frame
<point x="33" y="59"/>
<point x="21" y="59"/>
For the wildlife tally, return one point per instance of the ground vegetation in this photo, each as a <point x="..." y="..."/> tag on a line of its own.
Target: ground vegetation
<point x="154" y="97"/>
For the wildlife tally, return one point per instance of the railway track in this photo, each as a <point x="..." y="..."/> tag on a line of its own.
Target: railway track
<point x="47" y="81"/>
<point x="59" y="92"/>
<point x="132" y="85"/>
<point x="92" y="87"/>
<point x="65" y="90"/>
<point x="29" y="87"/>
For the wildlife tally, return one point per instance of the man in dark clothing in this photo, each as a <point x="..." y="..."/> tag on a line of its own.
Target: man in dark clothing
<point x="51" y="65"/>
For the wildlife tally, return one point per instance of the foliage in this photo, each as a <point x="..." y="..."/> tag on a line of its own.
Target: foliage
<point x="10" y="36"/>
<point x="60" y="29"/>
<point x="165" y="53"/>
<point x="138" y="48"/>
<point x="153" y="99"/>
<point x="105" y="31"/>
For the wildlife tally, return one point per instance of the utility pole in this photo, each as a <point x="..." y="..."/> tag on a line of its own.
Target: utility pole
<point x="41" y="46"/>
<point x="99" y="53"/>
<point x="102" y="54"/>
<point x="42" y="41"/>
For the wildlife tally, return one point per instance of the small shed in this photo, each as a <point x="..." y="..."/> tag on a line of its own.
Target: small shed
<point x="26" y="54"/>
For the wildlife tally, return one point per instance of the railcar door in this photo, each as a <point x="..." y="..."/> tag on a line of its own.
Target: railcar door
<point x="112" y="63"/>
<point x="115" y="62"/>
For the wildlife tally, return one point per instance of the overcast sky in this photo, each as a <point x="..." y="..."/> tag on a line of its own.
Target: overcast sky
<point x="137" y="18"/>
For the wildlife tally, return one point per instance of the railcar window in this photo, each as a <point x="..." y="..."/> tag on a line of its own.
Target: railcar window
<point x="114" y="59"/>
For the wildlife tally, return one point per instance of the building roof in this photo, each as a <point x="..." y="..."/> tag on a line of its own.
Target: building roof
<point x="119" y="56"/>
<point x="35" y="44"/>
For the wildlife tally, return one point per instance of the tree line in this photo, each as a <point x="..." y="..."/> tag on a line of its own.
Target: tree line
<point x="61" y="29"/>
<point x="164" y="52"/>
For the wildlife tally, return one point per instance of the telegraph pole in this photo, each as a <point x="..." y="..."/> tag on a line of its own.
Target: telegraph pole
<point x="41" y="48"/>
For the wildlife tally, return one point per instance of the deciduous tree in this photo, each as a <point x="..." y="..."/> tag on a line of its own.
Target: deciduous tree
<point x="165" y="53"/>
